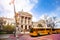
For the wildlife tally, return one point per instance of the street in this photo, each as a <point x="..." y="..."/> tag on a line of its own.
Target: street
<point x="28" y="37"/>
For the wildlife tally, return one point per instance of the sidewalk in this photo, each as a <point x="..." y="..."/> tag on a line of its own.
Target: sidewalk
<point x="4" y="35"/>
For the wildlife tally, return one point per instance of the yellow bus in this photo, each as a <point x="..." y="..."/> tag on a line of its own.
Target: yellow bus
<point x="37" y="31"/>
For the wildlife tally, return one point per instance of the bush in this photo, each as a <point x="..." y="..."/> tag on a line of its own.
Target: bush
<point x="3" y="32"/>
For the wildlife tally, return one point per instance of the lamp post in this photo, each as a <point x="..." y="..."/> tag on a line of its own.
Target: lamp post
<point x="15" y="19"/>
<point x="13" y="2"/>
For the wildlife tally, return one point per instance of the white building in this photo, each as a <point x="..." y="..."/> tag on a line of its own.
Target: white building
<point x="8" y="20"/>
<point x="24" y="21"/>
<point x="5" y="21"/>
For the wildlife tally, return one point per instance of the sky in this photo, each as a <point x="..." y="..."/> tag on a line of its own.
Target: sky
<point x="35" y="7"/>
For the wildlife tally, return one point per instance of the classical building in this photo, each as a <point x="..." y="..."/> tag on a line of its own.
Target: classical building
<point x="34" y="24"/>
<point x="24" y="21"/>
<point x="8" y="20"/>
<point x="41" y="23"/>
<point x="5" y="21"/>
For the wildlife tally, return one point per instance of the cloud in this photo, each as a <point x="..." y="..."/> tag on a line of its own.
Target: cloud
<point x="5" y="8"/>
<point x="26" y="5"/>
<point x="44" y="16"/>
<point x="34" y="19"/>
<point x="55" y="12"/>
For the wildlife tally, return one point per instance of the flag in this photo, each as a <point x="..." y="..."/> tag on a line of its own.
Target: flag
<point x="12" y="2"/>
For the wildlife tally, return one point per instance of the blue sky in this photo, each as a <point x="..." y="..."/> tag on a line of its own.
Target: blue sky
<point x="49" y="7"/>
<point x="36" y="7"/>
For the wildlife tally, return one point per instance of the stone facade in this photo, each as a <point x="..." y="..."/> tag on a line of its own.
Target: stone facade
<point x="24" y="21"/>
<point x="41" y="24"/>
<point x="5" y="21"/>
<point x="8" y="20"/>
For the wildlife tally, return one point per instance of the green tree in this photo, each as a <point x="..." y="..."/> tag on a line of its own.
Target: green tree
<point x="39" y="25"/>
<point x="2" y="22"/>
<point x="9" y="28"/>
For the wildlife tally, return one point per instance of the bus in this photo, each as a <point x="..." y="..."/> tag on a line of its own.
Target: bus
<point x="37" y="31"/>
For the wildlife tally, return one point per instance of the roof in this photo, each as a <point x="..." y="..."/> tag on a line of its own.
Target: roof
<point x="25" y="13"/>
<point x="7" y="18"/>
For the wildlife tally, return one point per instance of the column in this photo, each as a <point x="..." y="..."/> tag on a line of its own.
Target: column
<point x="29" y="20"/>
<point x="24" y="29"/>
<point x="23" y="26"/>
<point x="27" y="28"/>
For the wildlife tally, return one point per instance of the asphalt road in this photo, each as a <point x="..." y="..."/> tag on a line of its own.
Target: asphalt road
<point x="28" y="37"/>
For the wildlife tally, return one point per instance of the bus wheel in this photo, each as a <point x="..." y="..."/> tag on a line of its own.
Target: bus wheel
<point x="38" y="34"/>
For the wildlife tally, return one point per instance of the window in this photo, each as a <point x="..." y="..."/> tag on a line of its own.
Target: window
<point x="28" y="22"/>
<point x="22" y="26"/>
<point x="25" y="19"/>
<point x="25" y="26"/>
<point x="22" y="17"/>
<point x="29" y="27"/>
<point x="21" y="21"/>
<point x="29" y="18"/>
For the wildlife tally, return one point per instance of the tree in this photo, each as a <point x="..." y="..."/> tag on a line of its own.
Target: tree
<point x="2" y="22"/>
<point x="51" y="22"/>
<point x="9" y="28"/>
<point x="39" y="25"/>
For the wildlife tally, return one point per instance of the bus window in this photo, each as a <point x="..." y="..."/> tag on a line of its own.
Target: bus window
<point x="31" y="30"/>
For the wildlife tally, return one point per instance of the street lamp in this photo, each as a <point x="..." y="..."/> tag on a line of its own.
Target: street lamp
<point x="15" y="20"/>
<point x="12" y="2"/>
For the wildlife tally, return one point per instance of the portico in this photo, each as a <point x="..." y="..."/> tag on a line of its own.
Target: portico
<point x="25" y="21"/>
